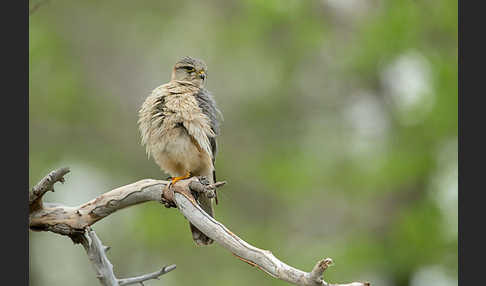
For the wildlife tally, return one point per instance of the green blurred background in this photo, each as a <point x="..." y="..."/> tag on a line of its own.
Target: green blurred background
<point x="339" y="136"/>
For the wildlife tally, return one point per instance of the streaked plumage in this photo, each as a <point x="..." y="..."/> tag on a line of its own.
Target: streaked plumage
<point x="179" y="124"/>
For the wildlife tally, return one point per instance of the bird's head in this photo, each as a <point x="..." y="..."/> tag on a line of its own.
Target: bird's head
<point x="190" y="69"/>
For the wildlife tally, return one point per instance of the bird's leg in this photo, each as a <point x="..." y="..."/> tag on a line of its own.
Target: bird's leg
<point x="173" y="180"/>
<point x="176" y="179"/>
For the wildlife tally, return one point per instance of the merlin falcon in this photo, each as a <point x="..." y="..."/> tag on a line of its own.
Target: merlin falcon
<point x="179" y="123"/>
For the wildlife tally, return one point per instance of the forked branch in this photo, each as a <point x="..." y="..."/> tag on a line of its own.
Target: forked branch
<point x="96" y="252"/>
<point x="75" y="221"/>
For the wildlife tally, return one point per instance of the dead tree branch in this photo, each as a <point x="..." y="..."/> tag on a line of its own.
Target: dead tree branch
<point x="75" y="222"/>
<point x="142" y="278"/>
<point x="104" y="269"/>
<point x="45" y="185"/>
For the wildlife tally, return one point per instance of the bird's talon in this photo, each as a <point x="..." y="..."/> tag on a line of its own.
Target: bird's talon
<point x="167" y="203"/>
<point x="203" y="180"/>
<point x="176" y="179"/>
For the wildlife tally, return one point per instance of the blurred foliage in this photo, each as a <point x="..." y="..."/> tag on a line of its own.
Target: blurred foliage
<point x="339" y="138"/>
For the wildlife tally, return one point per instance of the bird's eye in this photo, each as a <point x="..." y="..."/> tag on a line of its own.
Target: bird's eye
<point x="189" y="68"/>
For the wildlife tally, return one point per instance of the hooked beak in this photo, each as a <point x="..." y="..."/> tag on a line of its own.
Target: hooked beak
<point x="202" y="75"/>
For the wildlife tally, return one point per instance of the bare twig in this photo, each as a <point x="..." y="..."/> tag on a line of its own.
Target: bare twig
<point x="72" y="221"/>
<point x="97" y="255"/>
<point x="104" y="269"/>
<point x="45" y="185"/>
<point x="142" y="278"/>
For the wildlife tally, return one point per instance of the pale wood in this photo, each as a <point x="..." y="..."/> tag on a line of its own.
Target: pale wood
<point x="96" y="252"/>
<point x="75" y="221"/>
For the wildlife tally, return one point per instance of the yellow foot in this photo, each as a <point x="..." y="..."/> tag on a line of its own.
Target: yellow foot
<point x="176" y="179"/>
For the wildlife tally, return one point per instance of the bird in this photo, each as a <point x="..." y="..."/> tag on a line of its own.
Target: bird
<point x="179" y="122"/>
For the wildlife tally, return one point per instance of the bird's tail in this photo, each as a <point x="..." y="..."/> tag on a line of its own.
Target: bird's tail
<point x="207" y="205"/>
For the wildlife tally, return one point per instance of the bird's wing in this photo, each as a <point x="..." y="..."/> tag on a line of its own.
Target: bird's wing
<point x="208" y="106"/>
<point x="214" y="148"/>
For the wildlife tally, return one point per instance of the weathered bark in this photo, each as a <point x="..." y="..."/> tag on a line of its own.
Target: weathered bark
<point x="71" y="220"/>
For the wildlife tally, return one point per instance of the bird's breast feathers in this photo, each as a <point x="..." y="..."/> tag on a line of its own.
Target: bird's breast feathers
<point x="171" y="106"/>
